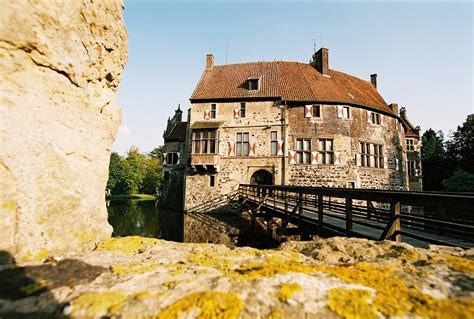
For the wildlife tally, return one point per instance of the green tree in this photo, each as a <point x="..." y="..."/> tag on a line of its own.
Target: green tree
<point x="120" y="175"/>
<point x="153" y="176"/>
<point x="460" y="148"/>
<point x="460" y="181"/>
<point x="157" y="152"/>
<point x="434" y="161"/>
<point x="136" y="160"/>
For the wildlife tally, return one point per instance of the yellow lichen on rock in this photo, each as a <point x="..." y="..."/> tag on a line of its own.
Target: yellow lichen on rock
<point x="98" y="304"/>
<point x="288" y="290"/>
<point x="127" y="245"/>
<point x="351" y="304"/>
<point x="394" y="298"/>
<point x="34" y="287"/>
<point x="456" y="263"/>
<point x="212" y="305"/>
<point x="270" y="267"/>
<point x="135" y="267"/>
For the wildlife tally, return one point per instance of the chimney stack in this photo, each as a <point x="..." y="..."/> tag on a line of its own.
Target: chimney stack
<point x="209" y="61"/>
<point x="403" y="113"/>
<point x="394" y="107"/>
<point x="373" y="80"/>
<point x="321" y="61"/>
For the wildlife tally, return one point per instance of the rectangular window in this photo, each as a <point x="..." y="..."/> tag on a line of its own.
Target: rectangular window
<point x="242" y="143"/>
<point x="213" y="111"/>
<point x="410" y="144"/>
<point x="242" y="109"/>
<point x="351" y="184"/>
<point x="303" y="151"/>
<point x="345" y="112"/>
<point x="273" y="143"/>
<point x="171" y="158"/>
<point x="364" y="154"/>
<point x="412" y="168"/>
<point x="375" y="118"/>
<point x="371" y="155"/>
<point x="326" y="151"/>
<point x="212" y="180"/>
<point x="378" y="155"/>
<point x="317" y="110"/>
<point x="253" y="84"/>
<point x="205" y="142"/>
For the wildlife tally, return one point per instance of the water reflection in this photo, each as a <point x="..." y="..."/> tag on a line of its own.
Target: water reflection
<point x="144" y="218"/>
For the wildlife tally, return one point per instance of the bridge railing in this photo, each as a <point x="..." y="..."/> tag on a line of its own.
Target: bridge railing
<point x="430" y="217"/>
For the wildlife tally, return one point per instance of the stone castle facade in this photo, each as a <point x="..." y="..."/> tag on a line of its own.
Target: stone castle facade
<point x="288" y="123"/>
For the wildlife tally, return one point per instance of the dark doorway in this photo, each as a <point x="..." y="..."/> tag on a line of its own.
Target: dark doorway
<point x="262" y="177"/>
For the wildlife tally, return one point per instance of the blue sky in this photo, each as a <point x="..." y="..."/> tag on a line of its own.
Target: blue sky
<point x="422" y="52"/>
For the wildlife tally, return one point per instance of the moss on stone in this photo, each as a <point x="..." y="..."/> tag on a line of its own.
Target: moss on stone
<point x="287" y="291"/>
<point x="98" y="304"/>
<point x="212" y="305"/>
<point x="128" y="245"/>
<point x="352" y="303"/>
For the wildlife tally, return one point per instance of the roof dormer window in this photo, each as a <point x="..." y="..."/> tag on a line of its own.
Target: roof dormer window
<point x="253" y="84"/>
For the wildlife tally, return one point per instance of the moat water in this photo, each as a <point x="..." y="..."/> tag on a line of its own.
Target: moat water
<point x="144" y="218"/>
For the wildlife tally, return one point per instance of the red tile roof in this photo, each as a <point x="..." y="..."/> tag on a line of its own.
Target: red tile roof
<point x="289" y="81"/>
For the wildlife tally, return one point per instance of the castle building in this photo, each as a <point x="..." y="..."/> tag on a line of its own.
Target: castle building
<point x="291" y="123"/>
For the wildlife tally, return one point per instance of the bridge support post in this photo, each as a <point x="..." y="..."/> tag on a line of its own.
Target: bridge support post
<point x="320" y="214"/>
<point x="395" y="209"/>
<point x="348" y="216"/>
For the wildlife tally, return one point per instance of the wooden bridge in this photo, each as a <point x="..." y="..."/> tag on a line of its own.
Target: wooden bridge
<point x="418" y="218"/>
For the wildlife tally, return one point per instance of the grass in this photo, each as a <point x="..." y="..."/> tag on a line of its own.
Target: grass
<point x="132" y="196"/>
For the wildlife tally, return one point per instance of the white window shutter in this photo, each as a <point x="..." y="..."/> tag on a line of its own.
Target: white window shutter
<point x="397" y="164"/>
<point x="164" y="159"/>
<point x="308" y="111"/>
<point x="236" y="113"/>
<point x="337" y="158"/>
<point x="177" y="154"/>
<point x="292" y="157"/>
<point x="252" y="149"/>
<point x="340" y="113"/>
<point x="280" y="147"/>
<point x="314" y="158"/>
<point x="207" y="115"/>
<point x="358" y="160"/>
<point x="369" y="117"/>
<point x="385" y="162"/>
<point x="381" y="119"/>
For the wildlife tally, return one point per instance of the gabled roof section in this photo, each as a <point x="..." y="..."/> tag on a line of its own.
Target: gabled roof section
<point x="178" y="133"/>
<point x="289" y="81"/>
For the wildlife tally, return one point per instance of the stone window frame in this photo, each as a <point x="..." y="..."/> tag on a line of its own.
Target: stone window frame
<point x="273" y="143"/>
<point x="213" y="111"/>
<point x="324" y="153"/>
<point x="172" y="158"/>
<point x="348" y="108"/>
<point x="376" y="118"/>
<point x="242" y="109"/>
<point x="371" y="155"/>
<point x="205" y="141"/>
<point x="212" y="180"/>
<point x="411" y="145"/>
<point x="243" y="143"/>
<point x="317" y="107"/>
<point x="303" y="154"/>
<point x="351" y="184"/>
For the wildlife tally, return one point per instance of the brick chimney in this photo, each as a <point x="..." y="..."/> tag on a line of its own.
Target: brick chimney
<point x="321" y="61"/>
<point x="394" y="107"/>
<point x="209" y="61"/>
<point x="373" y="80"/>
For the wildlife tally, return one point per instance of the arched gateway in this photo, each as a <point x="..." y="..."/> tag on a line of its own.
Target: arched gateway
<point x="261" y="177"/>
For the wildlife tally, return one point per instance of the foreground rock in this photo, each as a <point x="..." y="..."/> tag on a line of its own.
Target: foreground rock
<point x="325" y="278"/>
<point x="60" y="64"/>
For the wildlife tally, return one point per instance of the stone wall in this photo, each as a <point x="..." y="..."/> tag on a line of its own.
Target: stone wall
<point x="60" y="65"/>
<point x="264" y="117"/>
